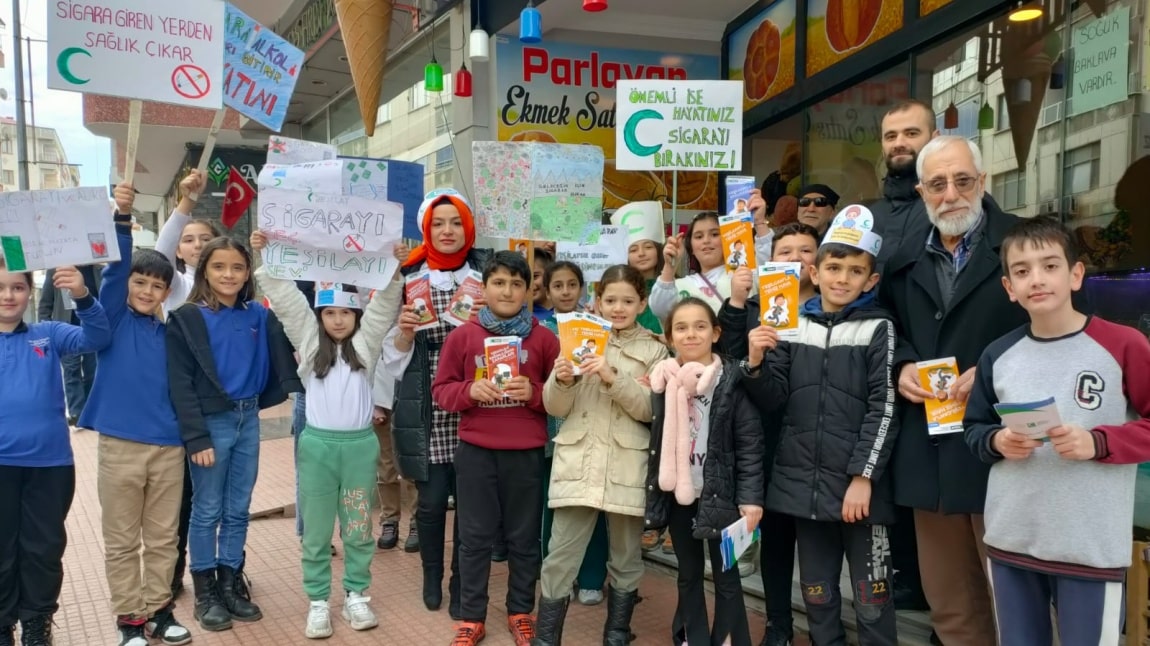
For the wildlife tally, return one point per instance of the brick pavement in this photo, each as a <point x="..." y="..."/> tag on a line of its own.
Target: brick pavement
<point x="273" y="564"/>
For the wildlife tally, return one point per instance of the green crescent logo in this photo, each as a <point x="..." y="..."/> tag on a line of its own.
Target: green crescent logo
<point x="62" y="64"/>
<point x="631" y="141"/>
<point x="627" y="216"/>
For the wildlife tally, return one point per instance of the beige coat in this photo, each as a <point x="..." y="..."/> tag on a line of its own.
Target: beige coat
<point x="601" y="448"/>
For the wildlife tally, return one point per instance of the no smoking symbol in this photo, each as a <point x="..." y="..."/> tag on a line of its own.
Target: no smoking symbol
<point x="353" y="243"/>
<point x="191" y="81"/>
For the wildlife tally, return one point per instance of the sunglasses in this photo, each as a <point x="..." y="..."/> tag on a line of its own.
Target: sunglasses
<point x="964" y="183"/>
<point x="820" y="202"/>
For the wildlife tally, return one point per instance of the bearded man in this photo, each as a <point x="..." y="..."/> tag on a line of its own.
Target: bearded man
<point x="945" y="289"/>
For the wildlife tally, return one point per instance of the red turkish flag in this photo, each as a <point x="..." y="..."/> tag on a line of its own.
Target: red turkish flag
<point x="237" y="196"/>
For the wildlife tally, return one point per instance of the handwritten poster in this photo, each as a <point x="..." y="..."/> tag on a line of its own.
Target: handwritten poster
<point x="260" y="69"/>
<point x="537" y="191"/>
<point x="595" y="257"/>
<point x="684" y="125"/>
<point x="309" y="177"/>
<point x="1101" y="62"/>
<point x="55" y="228"/>
<point x="387" y="179"/>
<point x="323" y="237"/>
<point x="139" y="49"/>
<point x="285" y="150"/>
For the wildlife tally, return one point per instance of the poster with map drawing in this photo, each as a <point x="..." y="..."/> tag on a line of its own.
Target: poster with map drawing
<point x="285" y="150"/>
<point x="537" y="191"/>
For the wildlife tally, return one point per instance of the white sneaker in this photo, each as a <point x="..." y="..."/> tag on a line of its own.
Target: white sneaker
<point x="357" y="613"/>
<point x="318" y="621"/>
<point x="590" y="597"/>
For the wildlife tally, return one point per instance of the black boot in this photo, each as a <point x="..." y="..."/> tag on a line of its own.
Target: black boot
<point x="234" y="592"/>
<point x="433" y="587"/>
<point x="620" y="606"/>
<point x="210" y="611"/>
<point x="454" y="607"/>
<point x="549" y="621"/>
<point x="6" y="636"/>
<point x="37" y="631"/>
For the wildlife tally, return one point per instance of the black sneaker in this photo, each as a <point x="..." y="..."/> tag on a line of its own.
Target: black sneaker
<point x="36" y="631"/>
<point x="499" y="552"/>
<point x="388" y="535"/>
<point x="131" y="634"/>
<point x="776" y="637"/>
<point x="164" y="627"/>
<point x="411" y="545"/>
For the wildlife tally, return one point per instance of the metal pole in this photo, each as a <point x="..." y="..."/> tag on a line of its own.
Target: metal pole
<point x="21" y="127"/>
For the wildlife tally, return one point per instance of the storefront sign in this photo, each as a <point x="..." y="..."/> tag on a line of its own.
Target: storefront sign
<point x="565" y="93"/>
<point x="1101" y="62"/>
<point x="762" y="53"/>
<point x="680" y="125"/>
<point x="260" y="70"/>
<point x="836" y="29"/>
<point x="138" y="49"/>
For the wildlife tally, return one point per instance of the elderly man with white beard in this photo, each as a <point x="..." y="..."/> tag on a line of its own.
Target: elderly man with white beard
<point x="946" y="293"/>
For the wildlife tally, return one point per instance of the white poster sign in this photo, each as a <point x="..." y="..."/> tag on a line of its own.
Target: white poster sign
<point x="57" y="227"/>
<point x="679" y="125"/>
<point x="325" y="237"/>
<point x="139" y="49"/>
<point x="595" y="258"/>
<point x="310" y="177"/>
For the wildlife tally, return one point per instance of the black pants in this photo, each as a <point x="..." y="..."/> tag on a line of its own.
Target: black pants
<point x="33" y="506"/>
<point x="867" y="548"/>
<point x="778" y="568"/>
<point x="431" y="521"/>
<point x="904" y="550"/>
<point x="690" y="622"/>
<point x="185" y="521"/>
<point x="498" y="487"/>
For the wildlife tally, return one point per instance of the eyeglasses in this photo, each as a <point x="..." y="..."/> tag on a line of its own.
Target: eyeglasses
<point x="964" y="183"/>
<point x="820" y="202"/>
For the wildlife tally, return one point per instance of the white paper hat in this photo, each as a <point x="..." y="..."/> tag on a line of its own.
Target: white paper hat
<point x="642" y="221"/>
<point x="332" y="295"/>
<point x="854" y="226"/>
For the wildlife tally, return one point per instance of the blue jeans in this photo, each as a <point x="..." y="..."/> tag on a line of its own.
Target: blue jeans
<point x="79" y="371"/>
<point x="298" y="421"/>
<point x="222" y="493"/>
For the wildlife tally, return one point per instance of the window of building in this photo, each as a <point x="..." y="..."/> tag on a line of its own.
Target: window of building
<point x="50" y="179"/>
<point x="442" y="123"/>
<point x="1002" y="115"/>
<point x="6" y="145"/>
<point x="383" y="114"/>
<point x="50" y="154"/>
<point x="9" y="177"/>
<point x="1081" y="169"/>
<point x="444" y="158"/>
<point x="417" y="97"/>
<point x="1009" y="189"/>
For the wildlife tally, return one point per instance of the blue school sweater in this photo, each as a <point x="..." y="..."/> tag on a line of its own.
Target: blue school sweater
<point x="129" y="398"/>
<point x="33" y="426"/>
<point x="239" y="340"/>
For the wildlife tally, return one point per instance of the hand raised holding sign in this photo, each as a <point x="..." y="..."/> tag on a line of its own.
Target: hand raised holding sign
<point x="741" y="283"/>
<point x="71" y="279"/>
<point x="125" y="197"/>
<point x="671" y="251"/>
<point x="193" y="184"/>
<point x="259" y="241"/>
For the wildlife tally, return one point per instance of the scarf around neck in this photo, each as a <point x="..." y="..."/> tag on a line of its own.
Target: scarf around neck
<point x="519" y="325"/>
<point x="680" y="383"/>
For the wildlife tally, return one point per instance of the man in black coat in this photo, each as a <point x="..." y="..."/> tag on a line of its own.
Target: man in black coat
<point x="945" y="289"/>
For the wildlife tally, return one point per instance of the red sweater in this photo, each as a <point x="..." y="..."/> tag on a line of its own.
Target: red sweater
<point x="508" y="424"/>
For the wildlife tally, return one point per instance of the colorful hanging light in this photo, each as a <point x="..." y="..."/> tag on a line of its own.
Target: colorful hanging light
<point x="594" y="5"/>
<point x="986" y="117"/>
<point x="950" y="117"/>
<point x="433" y="76"/>
<point x="463" y="82"/>
<point x="530" y="24"/>
<point x="478" y="47"/>
<point x="1022" y="91"/>
<point x="1025" y="12"/>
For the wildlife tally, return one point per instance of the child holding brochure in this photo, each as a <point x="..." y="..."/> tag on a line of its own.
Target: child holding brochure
<point x="1059" y="512"/>
<point x="833" y="384"/>
<point x="708" y="279"/>
<point x="338" y="343"/>
<point x="705" y="471"/>
<point x="605" y="411"/>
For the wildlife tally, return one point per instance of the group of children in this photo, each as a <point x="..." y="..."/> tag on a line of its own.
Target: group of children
<point x="695" y="417"/>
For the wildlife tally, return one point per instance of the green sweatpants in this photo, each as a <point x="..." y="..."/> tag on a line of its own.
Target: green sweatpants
<point x="336" y="479"/>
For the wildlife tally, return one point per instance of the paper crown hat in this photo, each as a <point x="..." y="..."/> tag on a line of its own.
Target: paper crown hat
<point x="641" y="220"/>
<point x="438" y="195"/>
<point x="333" y="295"/>
<point x="854" y="226"/>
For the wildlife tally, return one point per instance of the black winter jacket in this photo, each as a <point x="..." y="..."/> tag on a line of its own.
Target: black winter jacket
<point x="733" y="471"/>
<point x="899" y="217"/>
<point x="411" y="413"/>
<point x="194" y="384"/>
<point x="835" y="385"/>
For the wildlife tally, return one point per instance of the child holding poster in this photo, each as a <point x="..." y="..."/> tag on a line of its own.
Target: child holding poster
<point x="339" y="344"/>
<point x="228" y="359"/>
<point x="425" y="434"/>
<point x="502" y="432"/>
<point x="833" y="383"/>
<point x="707" y="279"/>
<point x="605" y="409"/>
<point x="37" y="473"/>
<point x="182" y="239"/>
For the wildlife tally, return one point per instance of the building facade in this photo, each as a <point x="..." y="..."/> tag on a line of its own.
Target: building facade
<point x="48" y="165"/>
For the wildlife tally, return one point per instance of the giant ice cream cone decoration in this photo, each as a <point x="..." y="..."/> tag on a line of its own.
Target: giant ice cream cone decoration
<point x="365" y="26"/>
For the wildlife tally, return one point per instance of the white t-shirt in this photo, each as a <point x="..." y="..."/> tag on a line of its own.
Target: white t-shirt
<point x="700" y="433"/>
<point x="341" y="401"/>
